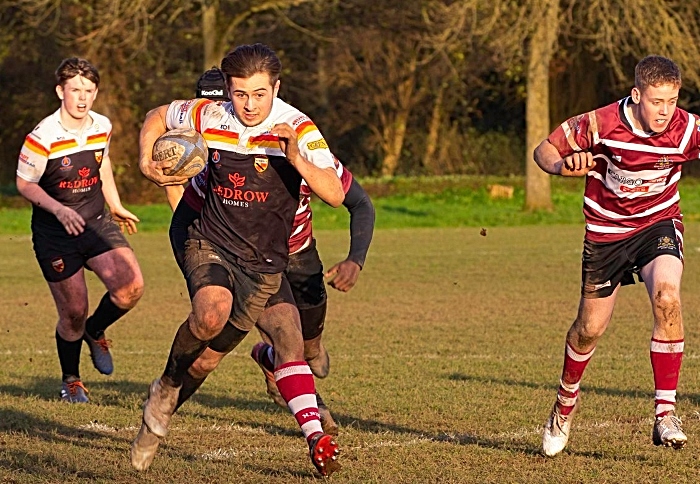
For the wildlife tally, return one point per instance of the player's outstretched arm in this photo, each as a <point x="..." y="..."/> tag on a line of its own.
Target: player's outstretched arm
<point x="69" y="218"/>
<point x="343" y="275"/>
<point x="549" y="160"/>
<point x="154" y="126"/>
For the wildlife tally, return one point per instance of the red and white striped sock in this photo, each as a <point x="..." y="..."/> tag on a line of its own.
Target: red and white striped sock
<point x="574" y="365"/>
<point x="666" y="359"/>
<point x="296" y="385"/>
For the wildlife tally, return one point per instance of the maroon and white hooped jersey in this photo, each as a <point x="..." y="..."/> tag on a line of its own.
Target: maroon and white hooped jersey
<point x="634" y="183"/>
<point x="302" y="233"/>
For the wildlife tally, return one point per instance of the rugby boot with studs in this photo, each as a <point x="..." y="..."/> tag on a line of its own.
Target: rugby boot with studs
<point x="324" y="451"/>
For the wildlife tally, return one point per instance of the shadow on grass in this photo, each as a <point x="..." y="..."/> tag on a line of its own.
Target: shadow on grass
<point x="15" y="422"/>
<point x="50" y="388"/>
<point x="693" y="398"/>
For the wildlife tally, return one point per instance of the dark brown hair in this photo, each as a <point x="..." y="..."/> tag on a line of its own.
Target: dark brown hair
<point x="247" y="60"/>
<point x="656" y="70"/>
<point x="75" y="66"/>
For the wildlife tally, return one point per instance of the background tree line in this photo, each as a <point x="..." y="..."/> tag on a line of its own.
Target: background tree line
<point x="399" y="87"/>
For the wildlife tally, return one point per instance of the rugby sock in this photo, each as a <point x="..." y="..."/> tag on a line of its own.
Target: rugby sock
<point x="190" y="385"/>
<point x="69" y="356"/>
<point x="666" y="358"/>
<point x="104" y="316"/>
<point x="296" y="385"/>
<point x="185" y="350"/>
<point x="574" y="365"/>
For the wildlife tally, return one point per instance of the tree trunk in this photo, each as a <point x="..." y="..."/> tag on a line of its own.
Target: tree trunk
<point x="211" y="37"/>
<point x="537" y="183"/>
<point x="394" y="132"/>
<point x="433" y="166"/>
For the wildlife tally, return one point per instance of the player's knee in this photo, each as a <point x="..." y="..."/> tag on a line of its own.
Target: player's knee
<point x="667" y="306"/>
<point x="73" y="318"/>
<point x="127" y="296"/>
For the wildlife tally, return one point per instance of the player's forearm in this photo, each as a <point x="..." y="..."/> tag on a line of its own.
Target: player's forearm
<point x="38" y="196"/>
<point x="174" y="195"/>
<point x="362" y="217"/>
<point x="548" y="158"/>
<point x="153" y="126"/>
<point x="324" y="182"/>
<point x="109" y="186"/>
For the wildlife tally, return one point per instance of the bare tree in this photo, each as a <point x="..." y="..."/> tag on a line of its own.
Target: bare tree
<point x="219" y="28"/>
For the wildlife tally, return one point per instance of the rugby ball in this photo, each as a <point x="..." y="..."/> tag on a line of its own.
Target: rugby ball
<point x="181" y="152"/>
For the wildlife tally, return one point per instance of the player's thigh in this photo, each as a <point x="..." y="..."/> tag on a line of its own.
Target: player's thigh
<point x="305" y="275"/>
<point x="118" y="269"/>
<point x="660" y="256"/>
<point x="251" y="293"/>
<point x="109" y="255"/>
<point x="71" y="297"/>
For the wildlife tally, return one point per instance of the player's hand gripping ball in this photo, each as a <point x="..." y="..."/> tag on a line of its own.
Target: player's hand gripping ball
<point x="181" y="152"/>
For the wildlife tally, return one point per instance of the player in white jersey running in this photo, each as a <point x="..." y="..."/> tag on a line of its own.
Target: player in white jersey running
<point x="65" y="170"/>
<point x="631" y="154"/>
<point x="260" y="149"/>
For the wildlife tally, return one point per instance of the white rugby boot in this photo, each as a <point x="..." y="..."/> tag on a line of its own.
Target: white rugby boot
<point x="668" y="432"/>
<point x="556" y="431"/>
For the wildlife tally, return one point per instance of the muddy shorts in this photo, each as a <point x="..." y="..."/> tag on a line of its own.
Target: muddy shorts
<point x="206" y="265"/>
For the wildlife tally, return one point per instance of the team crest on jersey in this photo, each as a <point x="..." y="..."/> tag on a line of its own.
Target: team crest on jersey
<point x="664" y="163"/>
<point x="98" y="157"/>
<point x="58" y="265"/>
<point x="260" y="163"/>
<point x="666" y="243"/>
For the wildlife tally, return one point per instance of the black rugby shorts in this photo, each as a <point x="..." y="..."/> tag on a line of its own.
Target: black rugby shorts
<point x="605" y="266"/>
<point x="61" y="255"/>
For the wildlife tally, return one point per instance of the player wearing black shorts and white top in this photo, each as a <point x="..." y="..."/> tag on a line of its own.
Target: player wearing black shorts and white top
<point x="260" y="149"/>
<point x="303" y="279"/>
<point x="64" y="169"/>
<point x="302" y="286"/>
<point x="631" y="153"/>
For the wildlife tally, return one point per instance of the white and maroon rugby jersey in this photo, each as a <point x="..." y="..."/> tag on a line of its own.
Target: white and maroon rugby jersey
<point x="67" y="166"/>
<point x="302" y="233"/>
<point x="635" y="179"/>
<point x="252" y="192"/>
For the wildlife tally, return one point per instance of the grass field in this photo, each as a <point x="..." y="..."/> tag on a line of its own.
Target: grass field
<point x="445" y="363"/>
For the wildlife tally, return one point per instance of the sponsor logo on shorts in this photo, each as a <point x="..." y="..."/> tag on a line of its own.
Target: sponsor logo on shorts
<point x="98" y="157"/>
<point x="316" y="145"/>
<point x="666" y="243"/>
<point x="260" y="163"/>
<point x="597" y="287"/>
<point x="58" y="265"/>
